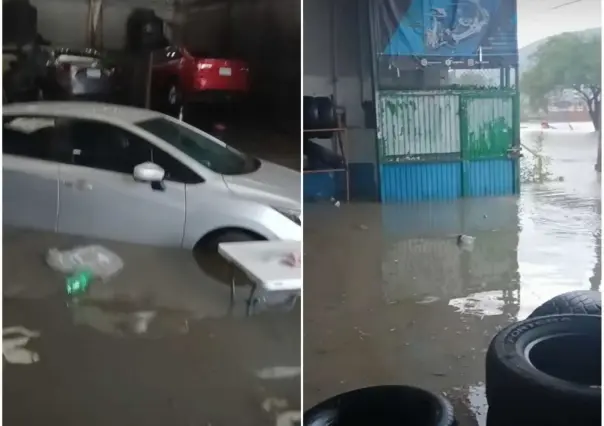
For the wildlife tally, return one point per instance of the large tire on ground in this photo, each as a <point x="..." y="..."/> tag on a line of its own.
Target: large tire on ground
<point x="383" y="405"/>
<point x="584" y="302"/>
<point x="547" y="371"/>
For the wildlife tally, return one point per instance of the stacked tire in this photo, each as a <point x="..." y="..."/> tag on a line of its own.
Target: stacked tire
<point x="546" y="370"/>
<point x="319" y="113"/>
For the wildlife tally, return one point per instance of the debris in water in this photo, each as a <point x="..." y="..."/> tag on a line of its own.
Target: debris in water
<point x="275" y="373"/>
<point x="78" y="282"/>
<point x="439" y="374"/>
<point x="13" y="347"/>
<point x="142" y="320"/>
<point x="428" y="299"/>
<point x="363" y="227"/>
<point x="289" y="418"/>
<point x="465" y="242"/>
<point x="99" y="261"/>
<point x="272" y="404"/>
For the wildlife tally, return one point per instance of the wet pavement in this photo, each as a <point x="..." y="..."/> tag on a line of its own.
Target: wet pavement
<point x="155" y="345"/>
<point x="390" y="298"/>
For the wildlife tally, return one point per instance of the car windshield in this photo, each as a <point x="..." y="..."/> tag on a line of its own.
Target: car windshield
<point x="216" y="156"/>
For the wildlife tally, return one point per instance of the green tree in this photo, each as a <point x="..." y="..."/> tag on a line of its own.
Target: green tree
<point x="566" y="61"/>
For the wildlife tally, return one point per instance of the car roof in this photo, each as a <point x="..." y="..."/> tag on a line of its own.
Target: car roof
<point x="83" y="110"/>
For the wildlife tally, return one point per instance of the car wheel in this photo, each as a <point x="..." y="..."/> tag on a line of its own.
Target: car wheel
<point x="547" y="370"/>
<point x="586" y="302"/>
<point x="383" y="405"/>
<point x="208" y="258"/>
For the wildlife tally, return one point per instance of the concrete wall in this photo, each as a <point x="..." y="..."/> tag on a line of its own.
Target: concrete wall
<point x="64" y="22"/>
<point x="337" y="62"/>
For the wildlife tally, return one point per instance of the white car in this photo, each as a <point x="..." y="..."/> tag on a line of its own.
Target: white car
<point x="138" y="176"/>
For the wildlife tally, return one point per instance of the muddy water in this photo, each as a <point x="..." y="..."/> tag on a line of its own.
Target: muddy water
<point x="390" y="297"/>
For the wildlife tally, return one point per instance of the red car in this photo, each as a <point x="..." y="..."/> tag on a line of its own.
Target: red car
<point x="181" y="76"/>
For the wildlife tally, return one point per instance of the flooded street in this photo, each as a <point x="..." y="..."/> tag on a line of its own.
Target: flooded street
<point x="391" y="298"/>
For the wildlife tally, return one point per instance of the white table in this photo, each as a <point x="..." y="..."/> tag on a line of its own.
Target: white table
<point x="262" y="263"/>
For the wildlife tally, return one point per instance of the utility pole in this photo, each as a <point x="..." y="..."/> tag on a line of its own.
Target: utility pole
<point x="598" y="165"/>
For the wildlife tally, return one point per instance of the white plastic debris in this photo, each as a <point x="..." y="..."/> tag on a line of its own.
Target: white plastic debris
<point x="279" y="372"/>
<point x="142" y="320"/>
<point x="101" y="262"/>
<point x="465" y="242"/>
<point x="13" y="341"/>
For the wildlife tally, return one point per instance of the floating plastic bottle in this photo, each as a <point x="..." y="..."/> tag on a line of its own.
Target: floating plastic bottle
<point x="78" y="283"/>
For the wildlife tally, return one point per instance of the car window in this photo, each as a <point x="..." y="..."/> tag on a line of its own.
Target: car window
<point x="212" y="154"/>
<point x="28" y="137"/>
<point x="104" y="146"/>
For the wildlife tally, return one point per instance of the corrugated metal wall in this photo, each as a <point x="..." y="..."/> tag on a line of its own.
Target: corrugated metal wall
<point x="446" y="144"/>
<point x="420" y="181"/>
<point x="487" y="125"/>
<point x="417" y="123"/>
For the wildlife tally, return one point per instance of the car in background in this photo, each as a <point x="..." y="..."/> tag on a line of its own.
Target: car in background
<point x="139" y="176"/>
<point x="84" y="74"/>
<point x="181" y="76"/>
<point x="50" y="73"/>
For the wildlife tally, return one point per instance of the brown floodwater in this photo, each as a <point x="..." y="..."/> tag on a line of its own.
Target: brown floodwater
<point x="391" y="298"/>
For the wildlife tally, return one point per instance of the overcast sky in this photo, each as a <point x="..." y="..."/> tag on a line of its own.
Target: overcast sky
<point x="537" y="19"/>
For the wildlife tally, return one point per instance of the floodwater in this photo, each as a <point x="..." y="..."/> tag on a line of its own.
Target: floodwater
<point x="159" y="344"/>
<point x="390" y="297"/>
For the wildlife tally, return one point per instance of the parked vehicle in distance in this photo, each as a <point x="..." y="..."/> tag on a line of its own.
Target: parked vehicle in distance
<point x="181" y="76"/>
<point x="59" y="74"/>
<point x="139" y="176"/>
<point x="80" y="74"/>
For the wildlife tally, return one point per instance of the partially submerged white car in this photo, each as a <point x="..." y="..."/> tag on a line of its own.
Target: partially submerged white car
<point x="138" y="176"/>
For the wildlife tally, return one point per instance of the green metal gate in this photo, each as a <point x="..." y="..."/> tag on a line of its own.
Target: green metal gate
<point x="447" y="144"/>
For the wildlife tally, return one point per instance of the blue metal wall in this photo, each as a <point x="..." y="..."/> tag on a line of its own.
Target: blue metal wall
<point x="487" y="178"/>
<point x="407" y="182"/>
<point x="439" y="181"/>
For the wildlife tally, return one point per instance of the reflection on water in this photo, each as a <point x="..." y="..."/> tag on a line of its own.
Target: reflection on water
<point x="427" y="310"/>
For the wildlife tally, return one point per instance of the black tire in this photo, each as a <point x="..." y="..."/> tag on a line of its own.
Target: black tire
<point x="383" y="405"/>
<point x="547" y="370"/>
<point x="208" y="258"/>
<point x="310" y="113"/>
<point x="584" y="302"/>
<point x="327" y="112"/>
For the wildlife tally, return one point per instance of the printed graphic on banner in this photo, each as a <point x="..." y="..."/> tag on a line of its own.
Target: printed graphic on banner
<point x="449" y="33"/>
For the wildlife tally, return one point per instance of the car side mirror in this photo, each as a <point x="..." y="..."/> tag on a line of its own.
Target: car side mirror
<point x="148" y="172"/>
